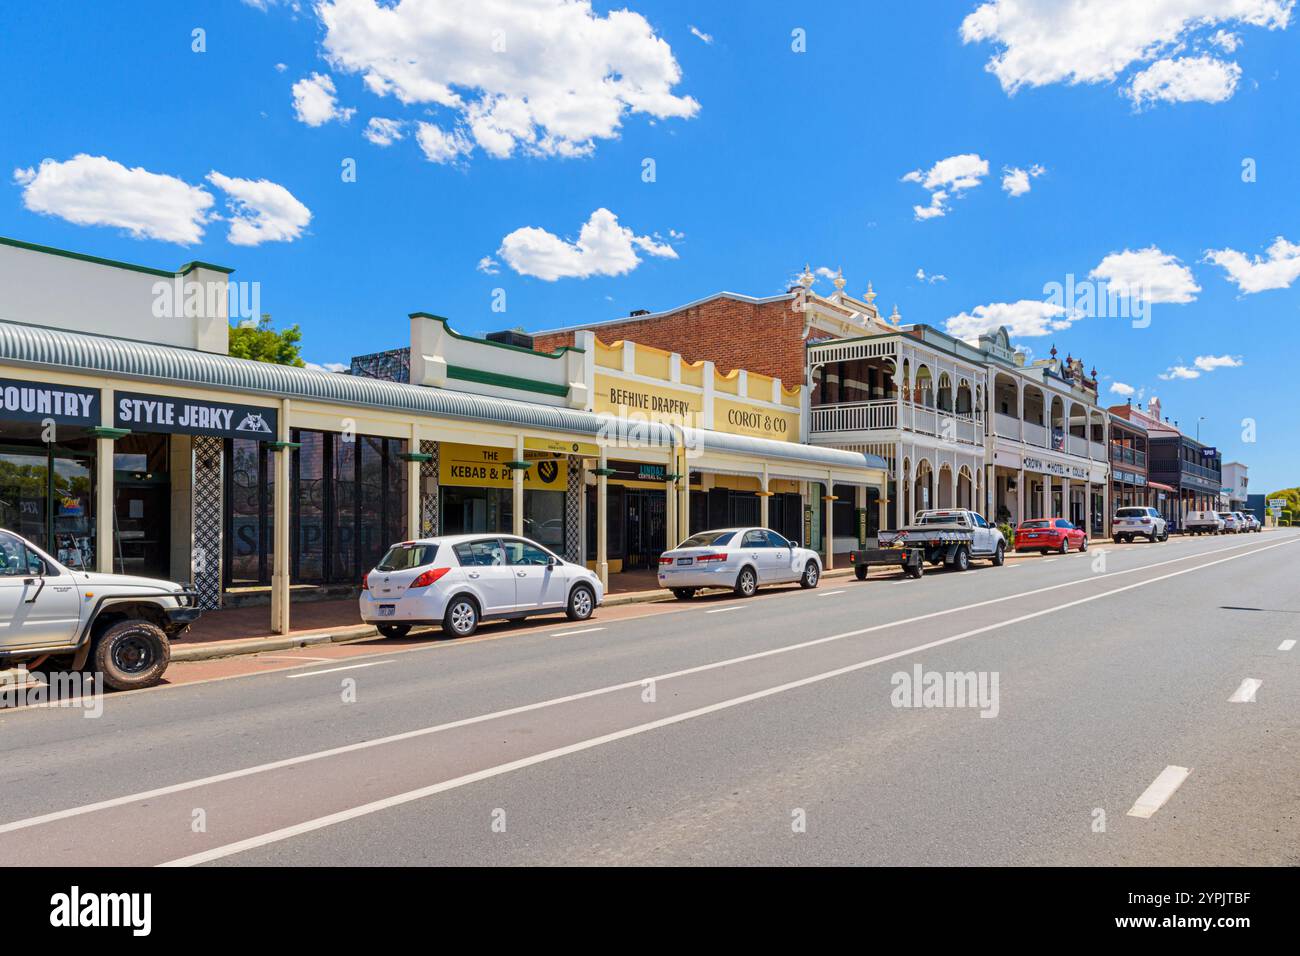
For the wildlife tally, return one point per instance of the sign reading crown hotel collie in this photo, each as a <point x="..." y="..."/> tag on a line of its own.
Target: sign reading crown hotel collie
<point x="141" y="412"/>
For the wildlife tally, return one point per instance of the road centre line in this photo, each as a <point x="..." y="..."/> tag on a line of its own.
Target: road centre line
<point x="1245" y="694"/>
<point x="376" y="806"/>
<point x="335" y="670"/>
<point x="1162" y="788"/>
<point x="583" y="695"/>
<point x="1286" y="645"/>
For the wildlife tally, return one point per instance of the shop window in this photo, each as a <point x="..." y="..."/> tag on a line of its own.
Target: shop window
<point x="47" y="492"/>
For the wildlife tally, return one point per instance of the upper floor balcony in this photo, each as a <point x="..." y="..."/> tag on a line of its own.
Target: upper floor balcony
<point x="1128" y="456"/>
<point x="894" y="414"/>
<point x="1032" y="415"/>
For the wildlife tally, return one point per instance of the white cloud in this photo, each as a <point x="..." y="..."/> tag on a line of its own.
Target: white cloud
<point x="1188" y="79"/>
<point x="314" y="102"/>
<point x="1016" y="180"/>
<point x="947" y="179"/>
<point x="335" y="367"/>
<point x="1119" y="388"/>
<point x="546" y="77"/>
<point x="1208" y="363"/>
<point x="96" y="191"/>
<point x="1040" y="42"/>
<point x="384" y="132"/>
<point x="1253" y="274"/>
<point x="260" y="210"/>
<point x="1023" y="319"/>
<point x="488" y="265"/>
<point x="1202" y="363"/>
<point x="281" y="67"/>
<point x="1148" y="275"/>
<point x="696" y="31"/>
<point x="1225" y="41"/>
<point x="440" y="146"/>
<point x="932" y="279"/>
<point x="603" y="248"/>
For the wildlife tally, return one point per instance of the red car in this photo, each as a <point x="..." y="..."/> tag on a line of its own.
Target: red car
<point x="1050" y="534"/>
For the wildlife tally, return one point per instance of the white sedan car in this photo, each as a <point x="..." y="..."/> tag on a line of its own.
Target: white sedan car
<point x="741" y="559"/>
<point x="459" y="580"/>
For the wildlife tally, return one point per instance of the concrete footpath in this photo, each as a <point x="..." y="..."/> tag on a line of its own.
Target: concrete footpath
<point x="208" y="650"/>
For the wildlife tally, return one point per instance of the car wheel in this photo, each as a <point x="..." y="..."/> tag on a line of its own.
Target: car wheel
<point x="393" y="630"/>
<point x="1065" y="546"/>
<point x="1000" y="556"/>
<point x="1043" y="551"/>
<point x="461" y="618"/>
<point x="132" y="654"/>
<point x="582" y="603"/>
<point x="961" y="560"/>
<point x="1083" y="545"/>
<point x="811" y="575"/>
<point x="860" y="572"/>
<point x="683" y="594"/>
<point x="746" y="582"/>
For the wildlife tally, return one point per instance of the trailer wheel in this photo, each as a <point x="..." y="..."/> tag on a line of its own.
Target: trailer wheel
<point x="132" y="654"/>
<point x="918" y="570"/>
<point x="860" y="572"/>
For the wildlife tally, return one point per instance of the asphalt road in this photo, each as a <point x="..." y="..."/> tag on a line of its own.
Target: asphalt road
<point x="723" y="731"/>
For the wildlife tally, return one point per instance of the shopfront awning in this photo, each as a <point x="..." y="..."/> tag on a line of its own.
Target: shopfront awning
<point x="783" y="459"/>
<point x="1159" y="487"/>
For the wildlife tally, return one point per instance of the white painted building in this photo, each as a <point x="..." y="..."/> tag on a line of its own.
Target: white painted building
<point x="1235" y="481"/>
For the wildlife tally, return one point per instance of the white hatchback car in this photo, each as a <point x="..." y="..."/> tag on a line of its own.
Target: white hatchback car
<point x="459" y="580"/>
<point x="740" y="559"/>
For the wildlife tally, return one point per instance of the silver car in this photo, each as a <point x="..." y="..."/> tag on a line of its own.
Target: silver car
<point x="740" y="559"/>
<point x="1233" y="522"/>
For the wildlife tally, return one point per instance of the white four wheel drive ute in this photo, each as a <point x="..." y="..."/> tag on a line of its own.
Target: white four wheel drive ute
<point x="56" y="618"/>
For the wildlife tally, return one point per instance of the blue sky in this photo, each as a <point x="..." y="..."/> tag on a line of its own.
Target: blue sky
<point x="764" y="158"/>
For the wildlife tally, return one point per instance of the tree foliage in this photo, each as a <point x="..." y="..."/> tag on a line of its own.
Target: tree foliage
<point x="264" y="343"/>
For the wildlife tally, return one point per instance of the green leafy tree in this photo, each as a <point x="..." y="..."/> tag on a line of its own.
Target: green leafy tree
<point x="264" y="343"/>
<point x="1292" y="496"/>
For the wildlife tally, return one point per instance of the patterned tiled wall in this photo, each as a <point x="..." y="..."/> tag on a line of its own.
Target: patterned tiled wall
<point x="207" y="491"/>
<point x="429" y="489"/>
<point x="573" y="511"/>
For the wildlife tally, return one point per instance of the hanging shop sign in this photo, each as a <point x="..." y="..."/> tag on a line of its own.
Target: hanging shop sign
<point x="562" y="446"/>
<point x="637" y="471"/>
<point x="33" y="402"/>
<point x="141" y="412"/>
<point x="1056" y="468"/>
<point x="483" y="466"/>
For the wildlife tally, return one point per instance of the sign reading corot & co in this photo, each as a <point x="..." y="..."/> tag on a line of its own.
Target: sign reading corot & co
<point x="33" y="402"/>
<point x="141" y="412"/>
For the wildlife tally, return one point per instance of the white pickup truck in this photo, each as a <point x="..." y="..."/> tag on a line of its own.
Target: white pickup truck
<point x="54" y="617"/>
<point x="951" y="535"/>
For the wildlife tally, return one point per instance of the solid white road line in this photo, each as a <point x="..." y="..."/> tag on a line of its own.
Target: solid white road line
<point x="581" y="630"/>
<point x="626" y="685"/>
<point x="335" y="670"/>
<point x="719" y="610"/>
<point x="829" y="593"/>
<point x="1286" y="645"/>
<point x="1152" y="795"/>
<point x="1245" y="694"/>
<point x="1162" y="788"/>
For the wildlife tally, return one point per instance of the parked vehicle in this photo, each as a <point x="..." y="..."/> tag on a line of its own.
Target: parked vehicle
<point x="1050" y="534"/>
<point x="1139" y="522"/>
<point x="1203" y="522"/>
<point x="53" y="617"/>
<point x="740" y="559"/>
<point x="1232" y="522"/>
<point x="1251" y="523"/>
<point x="458" y="581"/>
<point x="953" y="536"/>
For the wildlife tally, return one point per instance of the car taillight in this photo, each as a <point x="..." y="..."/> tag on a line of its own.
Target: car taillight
<point x="429" y="577"/>
<point x="1146" y="520"/>
<point x="710" y="557"/>
<point x="663" y="559"/>
<point x="365" y="582"/>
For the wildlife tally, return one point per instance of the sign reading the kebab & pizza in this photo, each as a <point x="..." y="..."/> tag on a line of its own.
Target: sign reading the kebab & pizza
<point x="141" y="412"/>
<point x="482" y="466"/>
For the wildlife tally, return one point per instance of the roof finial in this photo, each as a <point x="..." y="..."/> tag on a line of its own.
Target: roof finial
<point x="894" y="317"/>
<point x="870" y="297"/>
<point x="806" y="280"/>
<point x="839" y="280"/>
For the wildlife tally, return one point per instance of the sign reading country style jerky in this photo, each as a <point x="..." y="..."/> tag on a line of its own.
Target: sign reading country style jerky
<point x="190" y="416"/>
<point x="34" y="401"/>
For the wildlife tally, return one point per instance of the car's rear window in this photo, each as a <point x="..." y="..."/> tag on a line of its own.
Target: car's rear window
<point x="708" y="539"/>
<point x="1131" y="513"/>
<point x="1033" y="524"/>
<point x="404" y="557"/>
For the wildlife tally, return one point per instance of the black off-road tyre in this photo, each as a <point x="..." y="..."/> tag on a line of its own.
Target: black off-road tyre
<point x="132" y="654"/>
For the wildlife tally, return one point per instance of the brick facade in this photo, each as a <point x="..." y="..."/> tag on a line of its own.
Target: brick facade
<point x="764" y="337"/>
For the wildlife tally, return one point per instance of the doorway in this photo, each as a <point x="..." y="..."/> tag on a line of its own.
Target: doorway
<point x="646" y="523"/>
